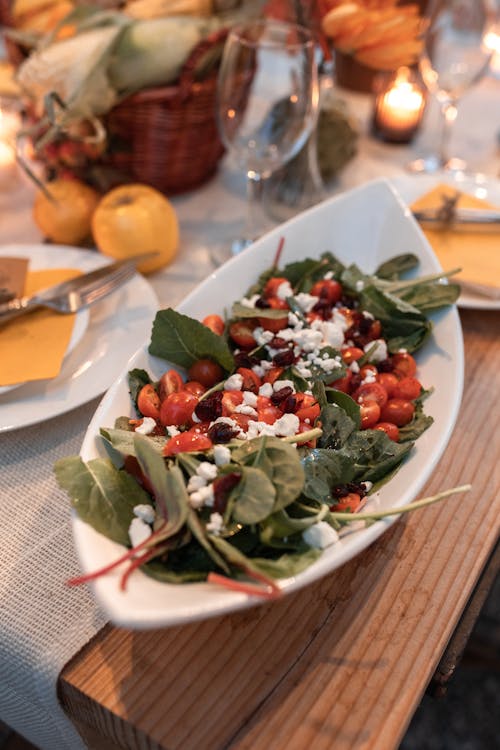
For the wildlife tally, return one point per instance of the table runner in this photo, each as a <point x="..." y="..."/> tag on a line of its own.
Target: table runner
<point x="36" y="547"/>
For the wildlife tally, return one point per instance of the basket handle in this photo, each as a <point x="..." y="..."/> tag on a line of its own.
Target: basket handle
<point x="188" y="72"/>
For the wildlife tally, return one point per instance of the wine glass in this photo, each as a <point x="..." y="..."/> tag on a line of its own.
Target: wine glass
<point x="454" y="57"/>
<point x="267" y="103"/>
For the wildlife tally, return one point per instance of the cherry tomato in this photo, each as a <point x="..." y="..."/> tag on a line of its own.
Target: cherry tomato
<point x="178" y="408"/>
<point x="368" y="370"/>
<point x="242" y="420"/>
<point x="304" y="427"/>
<point x="268" y="414"/>
<point x="404" y="364"/>
<point x="251" y="381"/>
<point x="273" y="284"/>
<point x="388" y="381"/>
<point x="206" y="371"/>
<point x="148" y="402"/>
<point x="192" y="386"/>
<point x="215" y="323"/>
<point x="397" y="410"/>
<point x="272" y="375"/>
<point x="408" y="388"/>
<point x="351" y="354"/>
<point x="192" y="440"/>
<point x="370" y="414"/>
<point x="370" y="392"/>
<point x="230" y="400"/>
<point x="275" y="324"/>
<point x="390" y="429"/>
<point x="308" y="407"/>
<point x="342" y="384"/>
<point x="170" y="382"/>
<point x="241" y="332"/>
<point x="328" y="289"/>
<point x="348" y="504"/>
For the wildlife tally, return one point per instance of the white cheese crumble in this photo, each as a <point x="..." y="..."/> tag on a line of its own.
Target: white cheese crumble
<point x="249" y="398"/>
<point x="279" y="384"/>
<point x="234" y="382"/>
<point x="249" y="302"/>
<point x="222" y="455"/>
<point x="266" y="390"/>
<point x="246" y="409"/>
<point x="320" y="535"/>
<point x="138" y="531"/>
<point x="216" y="524"/>
<point x="207" y="470"/>
<point x="147" y="426"/>
<point x="284" y="290"/>
<point x="195" y="483"/>
<point x="286" y="425"/>
<point x="203" y="496"/>
<point x="380" y="351"/>
<point x="145" y="512"/>
<point x="172" y="430"/>
<point x="306" y="301"/>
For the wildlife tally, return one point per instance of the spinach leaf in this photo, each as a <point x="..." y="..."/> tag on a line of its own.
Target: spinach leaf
<point x="419" y="424"/>
<point x="183" y="340"/>
<point x="102" y="495"/>
<point x="137" y="379"/>
<point x="337" y="426"/>
<point x="396" y="266"/>
<point x="431" y="296"/>
<point x="243" y="311"/>
<point x="199" y="533"/>
<point x="122" y="441"/>
<point x="282" y="524"/>
<point x="287" y="565"/>
<point x="373" y="454"/>
<point x="325" y="469"/>
<point x="254" y="496"/>
<point x="279" y="461"/>
<point x="346" y="402"/>
<point x="403" y="325"/>
<point x="302" y="274"/>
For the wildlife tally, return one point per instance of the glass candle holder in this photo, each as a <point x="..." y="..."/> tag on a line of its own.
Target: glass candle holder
<point x="10" y="123"/>
<point x="399" y="106"/>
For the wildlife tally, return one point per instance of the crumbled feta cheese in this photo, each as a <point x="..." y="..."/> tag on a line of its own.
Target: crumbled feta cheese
<point x="306" y="301"/>
<point x="368" y="315"/>
<point x="195" y="483"/>
<point x="367" y="485"/>
<point x="279" y="384"/>
<point x="320" y="535"/>
<point x="203" y="496"/>
<point x="354" y="367"/>
<point x="234" y="382"/>
<point x="284" y="290"/>
<point x="360" y="285"/>
<point x="380" y="351"/>
<point x="249" y="398"/>
<point x="370" y="377"/>
<point x="172" y="430"/>
<point x="266" y="390"/>
<point x="303" y="371"/>
<point x="286" y="425"/>
<point x="147" y="426"/>
<point x="293" y="320"/>
<point x="261" y="336"/>
<point x="328" y="275"/>
<point x="138" y="531"/>
<point x="332" y="333"/>
<point x="216" y="524"/>
<point x="222" y="455"/>
<point x="145" y="512"/>
<point x="258" y="370"/>
<point x="249" y="302"/>
<point x="246" y="409"/>
<point x="207" y="470"/>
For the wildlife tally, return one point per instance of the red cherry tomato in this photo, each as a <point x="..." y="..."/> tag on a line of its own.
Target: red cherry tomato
<point x="215" y="323"/>
<point x="408" y="388"/>
<point x="273" y="284"/>
<point x="189" y="441"/>
<point x="178" y="408"/>
<point x="351" y="354"/>
<point x="230" y="400"/>
<point x="242" y="420"/>
<point x="251" y="381"/>
<point x="368" y="370"/>
<point x="192" y="386"/>
<point x="328" y="289"/>
<point x="304" y="427"/>
<point x="206" y="371"/>
<point x="241" y="333"/>
<point x="148" y="402"/>
<point x="307" y="407"/>
<point x="273" y="375"/>
<point x="268" y="414"/>
<point x="388" y="381"/>
<point x="390" y="429"/>
<point x="404" y="364"/>
<point x="397" y="410"/>
<point x="275" y="324"/>
<point x="370" y="414"/>
<point x="370" y="392"/>
<point x="170" y="382"/>
<point x="348" y="504"/>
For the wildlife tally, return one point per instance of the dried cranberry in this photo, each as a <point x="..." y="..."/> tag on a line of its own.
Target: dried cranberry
<point x="289" y="405"/>
<point x="324" y="308"/>
<point x="210" y="407"/>
<point x="281" y="395"/>
<point x="284" y="358"/>
<point x="222" y="489"/>
<point x="221" y="432"/>
<point x="243" y="359"/>
<point x="278" y="343"/>
<point x="385" y="366"/>
<point x="262" y="303"/>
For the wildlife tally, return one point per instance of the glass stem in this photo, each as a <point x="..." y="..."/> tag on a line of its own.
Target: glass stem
<point x="449" y="112"/>
<point x="253" y="206"/>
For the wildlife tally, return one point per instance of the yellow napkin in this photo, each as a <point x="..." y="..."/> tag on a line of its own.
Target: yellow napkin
<point x="476" y="252"/>
<point x="32" y="347"/>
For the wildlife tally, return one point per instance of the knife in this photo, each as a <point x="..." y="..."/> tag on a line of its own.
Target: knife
<point x="86" y="281"/>
<point x="459" y="218"/>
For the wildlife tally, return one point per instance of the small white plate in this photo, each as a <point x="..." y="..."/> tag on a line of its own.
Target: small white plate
<point x="411" y="187"/>
<point x="367" y="225"/>
<point x="114" y="328"/>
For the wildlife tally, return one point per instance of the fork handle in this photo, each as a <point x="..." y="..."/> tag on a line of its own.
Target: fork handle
<point x="16" y="307"/>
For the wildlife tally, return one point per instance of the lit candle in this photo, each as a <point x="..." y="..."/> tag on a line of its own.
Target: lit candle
<point x="399" y="107"/>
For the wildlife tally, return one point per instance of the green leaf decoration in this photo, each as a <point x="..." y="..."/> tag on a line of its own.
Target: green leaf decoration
<point x="183" y="340"/>
<point x="102" y="495"/>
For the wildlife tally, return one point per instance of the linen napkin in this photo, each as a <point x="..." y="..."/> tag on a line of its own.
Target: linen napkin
<point x="475" y="251"/>
<point x="32" y="347"/>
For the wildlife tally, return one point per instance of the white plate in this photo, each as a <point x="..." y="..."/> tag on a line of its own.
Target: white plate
<point x="411" y="187"/>
<point x="117" y="325"/>
<point x="367" y="225"/>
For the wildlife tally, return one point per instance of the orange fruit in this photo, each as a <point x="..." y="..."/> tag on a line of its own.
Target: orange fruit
<point x="64" y="212"/>
<point x="133" y="219"/>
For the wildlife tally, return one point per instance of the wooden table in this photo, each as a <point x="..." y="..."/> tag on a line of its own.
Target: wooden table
<point x="342" y="663"/>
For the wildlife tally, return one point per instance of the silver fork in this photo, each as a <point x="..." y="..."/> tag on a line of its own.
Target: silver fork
<point x="79" y="293"/>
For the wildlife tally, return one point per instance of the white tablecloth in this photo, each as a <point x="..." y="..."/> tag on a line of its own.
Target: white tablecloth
<point x="43" y="622"/>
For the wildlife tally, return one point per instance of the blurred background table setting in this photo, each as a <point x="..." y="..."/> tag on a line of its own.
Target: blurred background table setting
<point x="115" y="140"/>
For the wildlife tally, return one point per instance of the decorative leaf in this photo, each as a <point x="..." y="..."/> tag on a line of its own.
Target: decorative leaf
<point x="183" y="340"/>
<point x="102" y="495"/>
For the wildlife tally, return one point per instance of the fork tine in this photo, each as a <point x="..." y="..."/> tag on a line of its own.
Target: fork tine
<point x="115" y="280"/>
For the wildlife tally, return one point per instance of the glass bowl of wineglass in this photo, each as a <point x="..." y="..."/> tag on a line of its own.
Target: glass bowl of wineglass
<point x="454" y="57"/>
<point x="267" y="104"/>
